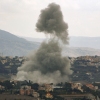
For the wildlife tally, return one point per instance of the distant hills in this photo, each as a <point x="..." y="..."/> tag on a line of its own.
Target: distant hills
<point x="11" y="45"/>
<point x="90" y="42"/>
<point x="80" y="51"/>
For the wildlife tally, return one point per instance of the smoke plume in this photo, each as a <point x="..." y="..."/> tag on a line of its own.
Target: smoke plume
<point x="51" y="22"/>
<point x="47" y="64"/>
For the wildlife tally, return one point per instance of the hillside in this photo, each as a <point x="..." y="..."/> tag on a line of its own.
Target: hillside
<point x="85" y="68"/>
<point x="12" y="45"/>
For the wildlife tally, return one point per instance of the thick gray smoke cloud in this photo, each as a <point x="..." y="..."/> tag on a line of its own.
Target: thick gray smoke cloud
<point x="51" y="22"/>
<point x="47" y="63"/>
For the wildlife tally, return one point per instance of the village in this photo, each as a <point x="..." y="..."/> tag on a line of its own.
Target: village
<point x="43" y="91"/>
<point x="84" y="84"/>
<point x="59" y="91"/>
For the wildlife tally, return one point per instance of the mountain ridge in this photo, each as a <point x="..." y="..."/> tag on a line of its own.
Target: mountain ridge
<point x="75" y="41"/>
<point x="11" y="45"/>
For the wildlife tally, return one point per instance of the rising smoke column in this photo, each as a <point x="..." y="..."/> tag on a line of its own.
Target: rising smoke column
<point x="51" y="22"/>
<point x="47" y="63"/>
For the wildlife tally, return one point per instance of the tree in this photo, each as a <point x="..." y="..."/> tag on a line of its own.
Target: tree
<point x="35" y="86"/>
<point x="7" y="84"/>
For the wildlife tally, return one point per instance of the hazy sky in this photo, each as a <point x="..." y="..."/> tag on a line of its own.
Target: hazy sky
<point x="20" y="16"/>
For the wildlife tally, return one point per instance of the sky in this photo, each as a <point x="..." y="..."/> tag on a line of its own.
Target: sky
<point x="19" y="17"/>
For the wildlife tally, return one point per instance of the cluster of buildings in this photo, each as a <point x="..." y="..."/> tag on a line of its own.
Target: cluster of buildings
<point x="76" y="89"/>
<point x="86" y="68"/>
<point x="2" y="87"/>
<point x="88" y="61"/>
<point x="27" y="90"/>
<point x="9" y="65"/>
